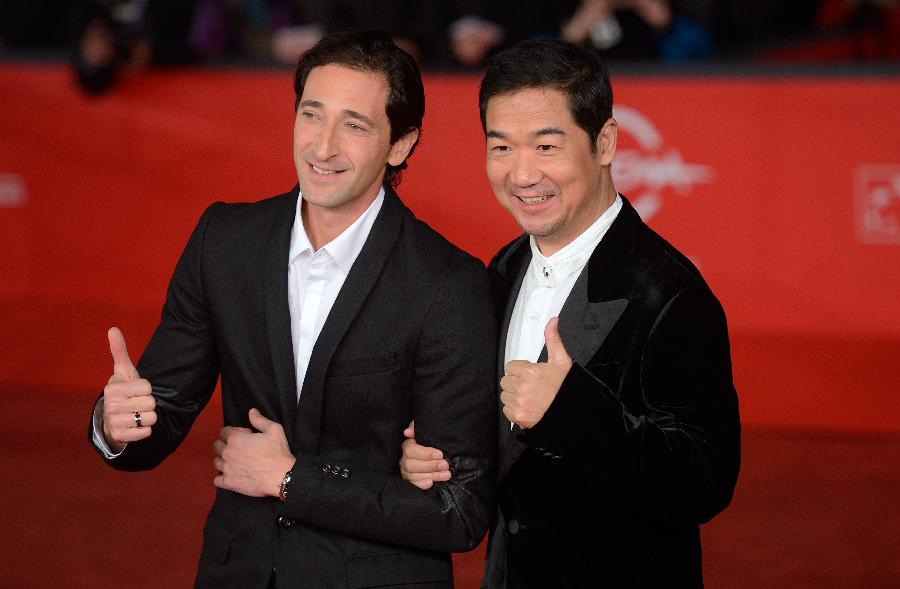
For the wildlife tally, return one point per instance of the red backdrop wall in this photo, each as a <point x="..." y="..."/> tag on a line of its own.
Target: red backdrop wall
<point x="785" y="191"/>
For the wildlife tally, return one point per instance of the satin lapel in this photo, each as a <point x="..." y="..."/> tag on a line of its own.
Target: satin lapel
<point x="278" y="314"/>
<point x="584" y="325"/>
<point x="359" y="283"/>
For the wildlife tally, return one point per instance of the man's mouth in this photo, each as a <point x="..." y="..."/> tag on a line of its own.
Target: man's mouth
<point x="322" y="171"/>
<point x="533" y="200"/>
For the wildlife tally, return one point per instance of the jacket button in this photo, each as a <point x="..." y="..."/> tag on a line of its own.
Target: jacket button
<point x="345" y="473"/>
<point x="285" y="522"/>
<point x="513" y="526"/>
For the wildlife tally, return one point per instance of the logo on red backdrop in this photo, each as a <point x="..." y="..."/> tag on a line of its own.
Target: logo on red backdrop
<point x="878" y="203"/>
<point x="647" y="168"/>
<point x="12" y="191"/>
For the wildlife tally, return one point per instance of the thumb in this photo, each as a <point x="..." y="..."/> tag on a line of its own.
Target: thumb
<point x="122" y="365"/>
<point x="556" y="351"/>
<point x="259" y="422"/>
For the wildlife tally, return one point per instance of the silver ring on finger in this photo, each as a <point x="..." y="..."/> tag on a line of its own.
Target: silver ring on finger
<point x="138" y="421"/>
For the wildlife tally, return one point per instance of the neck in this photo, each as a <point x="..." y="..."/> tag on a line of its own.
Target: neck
<point x="324" y="224"/>
<point x="550" y="244"/>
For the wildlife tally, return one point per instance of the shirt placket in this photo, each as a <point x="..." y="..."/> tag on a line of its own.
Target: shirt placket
<point x="313" y="289"/>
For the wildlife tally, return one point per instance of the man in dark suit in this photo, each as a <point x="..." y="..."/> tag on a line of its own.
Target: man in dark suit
<point x="333" y="317"/>
<point x="619" y="430"/>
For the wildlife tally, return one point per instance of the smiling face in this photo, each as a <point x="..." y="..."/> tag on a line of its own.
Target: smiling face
<point x="541" y="166"/>
<point x="342" y="141"/>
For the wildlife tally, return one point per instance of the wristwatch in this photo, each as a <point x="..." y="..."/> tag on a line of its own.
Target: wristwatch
<point x="282" y="486"/>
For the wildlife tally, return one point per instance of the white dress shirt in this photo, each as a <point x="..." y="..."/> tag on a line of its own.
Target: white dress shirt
<point x="546" y="286"/>
<point x="314" y="280"/>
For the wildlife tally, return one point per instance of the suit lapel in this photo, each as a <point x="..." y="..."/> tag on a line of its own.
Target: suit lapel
<point x="353" y="294"/>
<point x="584" y="325"/>
<point x="278" y="315"/>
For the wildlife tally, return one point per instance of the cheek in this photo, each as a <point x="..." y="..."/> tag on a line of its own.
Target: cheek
<point x="496" y="174"/>
<point x="566" y="178"/>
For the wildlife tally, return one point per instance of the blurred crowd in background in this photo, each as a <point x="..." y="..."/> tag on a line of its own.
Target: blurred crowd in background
<point x="108" y="39"/>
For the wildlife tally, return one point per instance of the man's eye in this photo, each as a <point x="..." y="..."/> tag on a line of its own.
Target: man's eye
<point x="500" y="148"/>
<point x="546" y="147"/>
<point x="307" y="115"/>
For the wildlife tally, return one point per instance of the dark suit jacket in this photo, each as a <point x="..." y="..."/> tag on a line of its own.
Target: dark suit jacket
<point x="411" y="335"/>
<point x="642" y="442"/>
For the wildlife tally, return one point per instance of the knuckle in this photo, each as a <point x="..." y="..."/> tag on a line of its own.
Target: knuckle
<point x="112" y="390"/>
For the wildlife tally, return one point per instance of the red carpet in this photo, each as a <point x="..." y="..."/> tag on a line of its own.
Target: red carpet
<point x="812" y="510"/>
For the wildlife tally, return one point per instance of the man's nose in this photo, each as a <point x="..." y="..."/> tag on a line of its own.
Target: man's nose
<point x="525" y="170"/>
<point x="324" y="145"/>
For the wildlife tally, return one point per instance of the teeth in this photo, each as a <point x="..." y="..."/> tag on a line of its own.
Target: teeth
<point x="534" y="199"/>
<point x="321" y="171"/>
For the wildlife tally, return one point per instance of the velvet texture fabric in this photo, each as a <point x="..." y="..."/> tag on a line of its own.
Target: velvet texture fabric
<point x="411" y="335"/>
<point x="642" y="443"/>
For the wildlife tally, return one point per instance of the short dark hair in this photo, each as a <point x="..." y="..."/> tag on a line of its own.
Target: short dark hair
<point x="373" y="51"/>
<point x="544" y="63"/>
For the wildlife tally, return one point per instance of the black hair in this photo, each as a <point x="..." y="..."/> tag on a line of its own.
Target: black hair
<point x="373" y="51"/>
<point x="544" y="63"/>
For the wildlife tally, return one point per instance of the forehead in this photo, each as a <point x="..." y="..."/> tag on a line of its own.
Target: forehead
<point x="340" y="87"/>
<point x="527" y="109"/>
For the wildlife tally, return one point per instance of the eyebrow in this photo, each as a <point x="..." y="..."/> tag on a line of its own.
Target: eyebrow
<point x="548" y="131"/>
<point x="346" y="112"/>
<point x="358" y="115"/>
<point x="494" y="134"/>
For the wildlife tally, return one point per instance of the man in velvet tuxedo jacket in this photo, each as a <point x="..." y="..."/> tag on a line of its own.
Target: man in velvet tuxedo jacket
<point x="333" y="317"/>
<point x="619" y="427"/>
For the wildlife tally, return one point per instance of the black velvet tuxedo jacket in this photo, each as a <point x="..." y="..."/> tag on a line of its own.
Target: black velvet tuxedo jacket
<point x="411" y="335"/>
<point x="642" y="442"/>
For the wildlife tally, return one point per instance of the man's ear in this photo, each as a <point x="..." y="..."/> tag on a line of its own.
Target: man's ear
<point x="401" y="147"/>
<point x="606" y="142"/>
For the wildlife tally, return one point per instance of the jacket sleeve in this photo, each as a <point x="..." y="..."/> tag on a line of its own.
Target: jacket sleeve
<point x="454" y="406"/>
<point x="679" y="458"/>
<point x="180" y="362"/>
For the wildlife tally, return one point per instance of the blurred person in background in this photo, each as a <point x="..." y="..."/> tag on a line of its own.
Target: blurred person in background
<point x="123" y="37"/>
<point x="413" y="25"/>
<point x="672" y="30"/>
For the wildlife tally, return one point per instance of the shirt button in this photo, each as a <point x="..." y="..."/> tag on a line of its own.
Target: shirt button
<point x="534" y="316"/>
<point x="513" y="526"/>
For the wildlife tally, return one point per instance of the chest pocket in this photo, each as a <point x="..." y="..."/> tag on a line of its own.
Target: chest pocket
<point x="363" y="366"/>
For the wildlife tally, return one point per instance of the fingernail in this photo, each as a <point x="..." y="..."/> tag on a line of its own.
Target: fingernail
<point x="436" y="455"/>
<point x="442" y="465"/>
<point x="444" y="475"/>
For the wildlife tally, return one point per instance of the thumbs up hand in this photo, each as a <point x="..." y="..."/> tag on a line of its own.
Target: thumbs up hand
<point x="128" y="403"/>
<point x="528" y="388"/>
